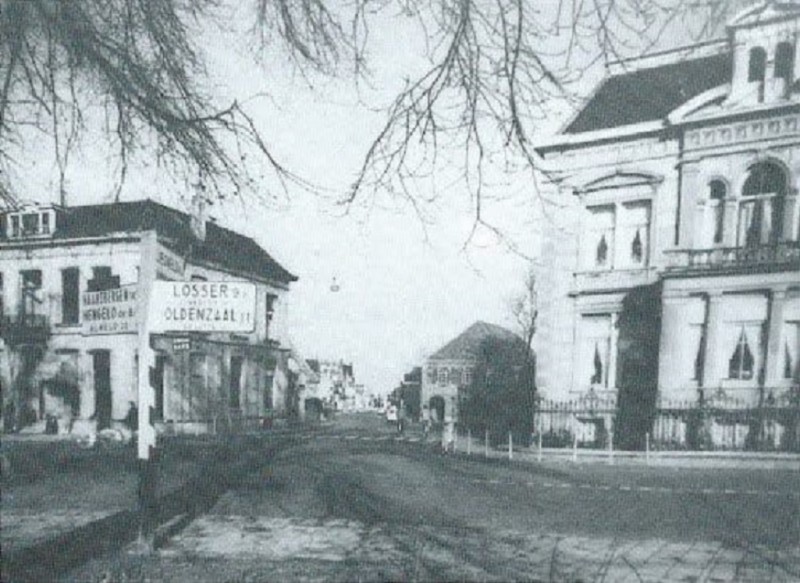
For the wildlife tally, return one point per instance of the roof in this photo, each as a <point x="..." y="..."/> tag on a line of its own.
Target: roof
<point x="650" y="94"/>
<point x="221" y="246"/>
<point x="467" y="344"/>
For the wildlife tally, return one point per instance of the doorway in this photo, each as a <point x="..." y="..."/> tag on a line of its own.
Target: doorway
<point x="236" y="382"/>
<point x="101" y="365"/>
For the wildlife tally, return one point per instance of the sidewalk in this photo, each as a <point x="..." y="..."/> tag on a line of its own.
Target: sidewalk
<point x="69" y="503"/>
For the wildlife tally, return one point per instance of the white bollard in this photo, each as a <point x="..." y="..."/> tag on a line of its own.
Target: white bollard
<point x="486" y="443"/>
<point x="575" y="447"/>
<point x="510" y="446"/>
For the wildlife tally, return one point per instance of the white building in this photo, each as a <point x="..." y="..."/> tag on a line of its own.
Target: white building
<point x="674" y="274"/>
<point x="60" y="357"/>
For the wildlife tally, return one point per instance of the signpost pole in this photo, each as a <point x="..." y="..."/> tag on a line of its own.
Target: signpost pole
<point x="147" y="453"/>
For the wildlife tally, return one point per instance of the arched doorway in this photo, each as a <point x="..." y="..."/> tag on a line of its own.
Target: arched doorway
<point x="761" y="209"/>
<point x="436" y="408"/>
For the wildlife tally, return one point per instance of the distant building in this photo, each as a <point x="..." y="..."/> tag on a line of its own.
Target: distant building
<point x="450" y="369"/>
<point x="674" y="274"/>
<point x="62" y="355"/>
<point x="337" y="386"/>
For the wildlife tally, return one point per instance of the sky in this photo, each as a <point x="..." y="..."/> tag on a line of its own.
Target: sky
<point x="405" y="287"/>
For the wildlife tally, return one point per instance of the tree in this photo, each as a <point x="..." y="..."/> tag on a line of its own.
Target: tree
<point x="500" y="396"/>
<point x="494" y="71"/>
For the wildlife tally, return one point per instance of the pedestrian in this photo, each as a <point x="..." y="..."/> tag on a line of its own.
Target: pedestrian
<point x="132" y="418"/>
<point x="448" y="437"/>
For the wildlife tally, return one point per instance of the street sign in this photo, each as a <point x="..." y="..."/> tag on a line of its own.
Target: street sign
<point x="181" y="344"/>
<point x="112" y="311"/>
<point x="202" y="306"/>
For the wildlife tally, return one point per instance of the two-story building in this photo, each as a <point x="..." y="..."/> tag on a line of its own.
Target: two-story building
<point x="68" y="342"/>
<point x="672" y="276"/>
<point x="449" y="370"/>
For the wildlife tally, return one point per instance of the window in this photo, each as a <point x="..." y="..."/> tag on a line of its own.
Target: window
<point x="432" y="374"/>
<point x="761" y="208"/>
<point x="467" y="376"/>
<point x="633" y="238"/>
<point x="455" y="376"/>
<point x="595" y="363"/>
<point x="30" y="224"/>
<point x="45" y="223"/>
<point x="15" y="232"/>
<point x="31" y="283"/>
<point x="70" y="295"/>
<point x="741" y="363"/>
<point x="102" y="279"/>
<point x="270" y="311"/>
<point x="442" y="376"/>
<point x="716" y="195"/>
<point x="600" y="237"/>
<point x="791" y="344"/>
<point x="758" y="64"/>
<point x="784" y="61"/>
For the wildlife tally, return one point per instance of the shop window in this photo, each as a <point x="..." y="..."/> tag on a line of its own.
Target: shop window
<point x="70" y="295"/>
<point x="717" y="193"/>
<point x="784" y="61"/>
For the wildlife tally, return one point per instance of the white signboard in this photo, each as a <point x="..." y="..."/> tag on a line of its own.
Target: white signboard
<point x="111" y="311"/>
<point x="202" y="306"/>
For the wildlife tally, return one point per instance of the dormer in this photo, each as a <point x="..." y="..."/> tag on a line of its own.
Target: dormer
<point x="766" y="54"/>
<point x="29" y="222"/>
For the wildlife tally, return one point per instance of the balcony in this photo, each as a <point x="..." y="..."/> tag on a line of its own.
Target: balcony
<point x="783" y="256"/>
<point x="25" y="328"/>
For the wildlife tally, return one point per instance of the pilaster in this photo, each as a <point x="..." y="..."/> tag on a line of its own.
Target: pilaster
<point x="772" y="368"/>
<point x="712" y="369"/>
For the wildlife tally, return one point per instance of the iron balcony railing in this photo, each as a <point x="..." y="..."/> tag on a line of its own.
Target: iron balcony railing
<point x="785" y="254"/>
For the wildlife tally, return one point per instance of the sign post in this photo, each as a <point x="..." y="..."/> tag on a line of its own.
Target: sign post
<point x="147" y="451"/>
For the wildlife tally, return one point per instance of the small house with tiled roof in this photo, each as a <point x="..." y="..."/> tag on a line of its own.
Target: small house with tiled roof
<point x="450" y="369"/>
<point x="68" y="341"/>
<point x="670" y="276"/>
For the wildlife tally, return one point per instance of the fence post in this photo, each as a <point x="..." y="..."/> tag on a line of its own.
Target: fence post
<point x="611" y="446"/>
<point x="510" y="446"/>
<point x="486" y="443"/>
<point x="647" y="447"/>
<point x="469" y="441"/>
<point x="539" y="455"/>
<point x="575" y="447"/>
<point x="455" y="440"/>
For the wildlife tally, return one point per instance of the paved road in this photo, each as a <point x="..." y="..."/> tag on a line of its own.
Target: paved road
<point x="355" y="502"/>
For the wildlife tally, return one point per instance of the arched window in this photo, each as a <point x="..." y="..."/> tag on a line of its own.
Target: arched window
<point x="784" y="61"/>
<point x="716" y="195"/>
<point x="762" y="204"/>
<point x="758" y="64"/>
